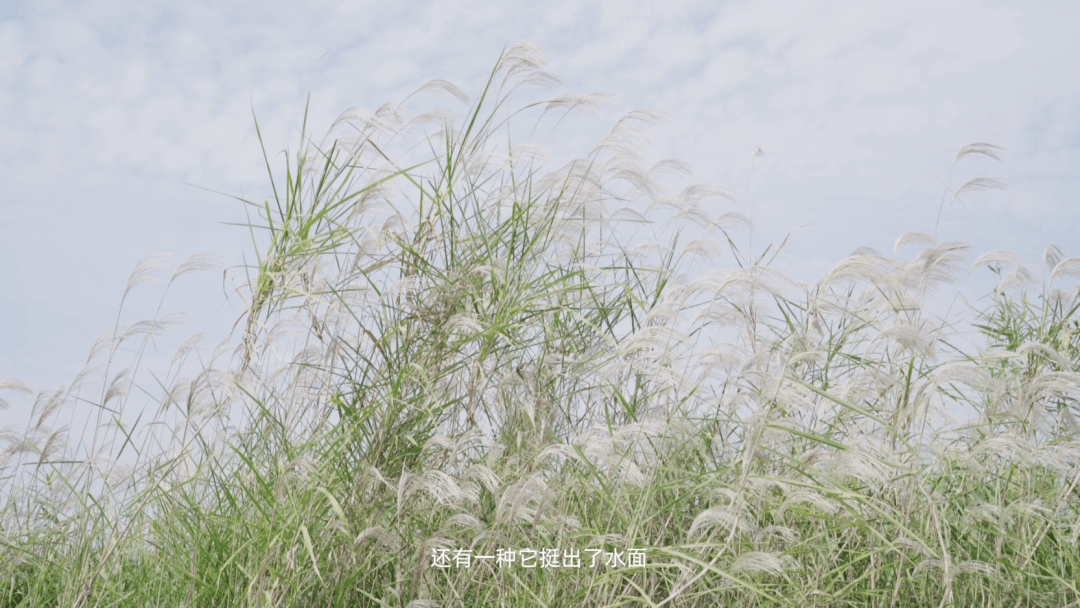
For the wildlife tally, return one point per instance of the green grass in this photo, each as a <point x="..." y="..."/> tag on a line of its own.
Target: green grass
<point x="445" y="349"/>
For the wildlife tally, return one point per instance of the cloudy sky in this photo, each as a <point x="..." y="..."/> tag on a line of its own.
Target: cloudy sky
<point x="108" y="110"/>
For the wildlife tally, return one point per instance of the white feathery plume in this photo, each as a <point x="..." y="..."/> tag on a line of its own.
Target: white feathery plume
<point x="649" y="246"/>
<point x="864" y="251"/>
<point x="1010" y="446"/>
<point x="975" y="567"/>
<point x="1027" y="508"/>
<point x="764" y="487"/>
<point x="366" y="121"/>
<point x="381" y="535"/>
<point x="726" y="517"/>
<point x="573" y="101"/>
<point x="760" y="561"/>
<point x="146" y="270"/>
<point x="981" y="184"/>
<point x="929" y="563"/>
<point x="694" y="195"/>
<point x="118" y="474"/>
<point x="708" y="249"/>
<point x="940" y="264"/>
<point x="438" y="118"/>
<point x="439" y="440"/>
<point x="559" y="450"/>
<point x="1062" y="456"/>
<point x="149" y="327"/>
<point x="620" y="168"/>
<point x="985" y="511"/>
<point x="631" y="474"/>
<point x="920" y="340"/>
<point x="513" y="506"/>
<point x="443" y="86"/>
<point x="118" y="387"/>
<point x="671" y="166"/>
<point x="784" y="533"/>
<point x="14" y="384"/>
<point x="861" y="465"/>
<point x="219" y="349"/>
<point x="48" y="402"/>
<point x="979" y="149"/>
<point x="197" y="262"/>
<point x="913" y="545"/>
<point x="743" y="280"/>
<point x="442" y="487"/>
<point x="654" y="339"/>
<point x="526" y="59"/>
<point x="997" y="257"/>
<point x="811" y="498"/>
<point x="629" y="137"/>
<point x="1020" y="277"/>
<point x="20" y="446"/>
<point x="529" y="153"/>
<point x="392" y="114"/>
<point x="1062" y="362"/>
<point x="626" y="214"/>
<point x="1066" y="268"/>
<point x="185" y="347"/>
<point x="1052" y="256"/>
<point x="464" y="520"/>
<point x="52" y="444"/>
<point x="485" y="476"/>
<point x="913" y="238"/>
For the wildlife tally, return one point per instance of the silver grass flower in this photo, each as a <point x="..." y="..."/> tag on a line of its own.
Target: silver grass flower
<point x="726" y="517"/>
<point x="146" y="270"/>
<point x="443" y="86"/>
<point x="980" y="184"/>
<point x="979" y="149"/>
<point x="47" y="403"/>
<point x="197" y="262"/>
<point x="808" y="497"/>
<point x="629" y="137"/>
<point x="13" y="384"/>
<point x="1066" y="268"/>
<point x="761" y="561"/>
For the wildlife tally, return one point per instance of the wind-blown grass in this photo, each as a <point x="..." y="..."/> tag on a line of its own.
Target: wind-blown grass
<point x="446" y="349"/>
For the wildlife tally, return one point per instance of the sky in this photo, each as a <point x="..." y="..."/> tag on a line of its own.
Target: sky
<point x="118" y="120"/>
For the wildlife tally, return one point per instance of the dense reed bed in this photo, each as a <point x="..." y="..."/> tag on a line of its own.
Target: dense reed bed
<point x="449" y="355"/>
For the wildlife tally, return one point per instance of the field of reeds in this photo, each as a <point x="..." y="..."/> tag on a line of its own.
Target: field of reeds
<point x="464" y="381"/>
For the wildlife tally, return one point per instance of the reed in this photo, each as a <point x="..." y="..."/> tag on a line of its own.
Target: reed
<point x="449" y="354"/>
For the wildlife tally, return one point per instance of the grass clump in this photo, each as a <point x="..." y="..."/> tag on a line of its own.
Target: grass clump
<point x="448" y="355"/>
